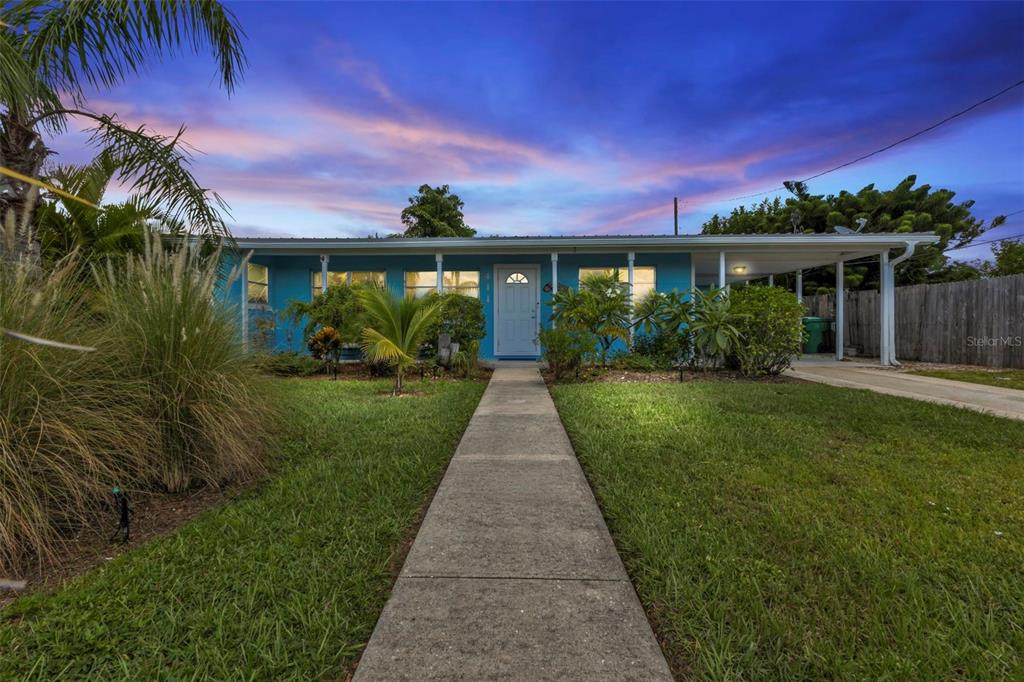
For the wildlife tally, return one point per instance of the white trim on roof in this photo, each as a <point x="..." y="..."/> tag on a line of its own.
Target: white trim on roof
<point x="859" y="242"/>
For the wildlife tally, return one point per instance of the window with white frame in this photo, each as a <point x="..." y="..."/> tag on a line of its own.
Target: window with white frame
<point x="258" y="283"/>
<point x="465" y="282"/>
<point x="338" y="278"/>
<point x="644" y="278"/>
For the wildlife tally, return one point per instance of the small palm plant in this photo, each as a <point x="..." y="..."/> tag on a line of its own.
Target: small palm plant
<point x="396" y="328"/>
<point x="667" y="312"/>
<point x="714" y="327"/>
<point x="600" y="306"/>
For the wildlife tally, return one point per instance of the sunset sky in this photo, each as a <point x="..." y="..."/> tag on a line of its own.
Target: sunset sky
<point x="588" y="118"/>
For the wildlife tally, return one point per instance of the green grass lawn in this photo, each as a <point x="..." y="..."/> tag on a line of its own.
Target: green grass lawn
<point x="285" y="582"/>
<point x="799" y="531"/>
<point x="1006" y="378"/>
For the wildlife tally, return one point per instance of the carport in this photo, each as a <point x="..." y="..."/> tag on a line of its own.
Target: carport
<point x="721" y="260"/>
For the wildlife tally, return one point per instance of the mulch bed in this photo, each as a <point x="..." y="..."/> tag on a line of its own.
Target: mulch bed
<point x="350" y="371"/>
<point x="153" y="515"/>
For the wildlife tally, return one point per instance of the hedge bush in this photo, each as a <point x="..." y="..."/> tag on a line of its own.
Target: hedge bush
<point x="461" y="317"/>
<point x="769" y="320"/>
<point x="567" y="349"/>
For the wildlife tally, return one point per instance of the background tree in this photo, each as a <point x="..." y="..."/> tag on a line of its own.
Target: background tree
<point x="435" y="212"/>
<point x="1008" y="259"/>
<point x="51" y="52"/>
<point x="904" y="208"/>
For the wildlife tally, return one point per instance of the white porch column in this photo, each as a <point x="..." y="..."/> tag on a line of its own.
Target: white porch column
<point x="883" y="308"/>
<point x="693" y="276"/>
<point x="554" y="279"/>
<point x="771" y="280"/>
<point x="800" y="285"/>
<point x="721" y="269"/>
<point x="840" y="312"/>
<point x="890" y="310"/>
<point x="324" y="261"/>
<point x="630" y="259"/>
<point x="440" y="272"/>
<point x="245" y="300"/>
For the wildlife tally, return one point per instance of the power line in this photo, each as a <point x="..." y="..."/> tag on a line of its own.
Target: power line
<point x="889" y="146"/>
<point x="987" y="241"/>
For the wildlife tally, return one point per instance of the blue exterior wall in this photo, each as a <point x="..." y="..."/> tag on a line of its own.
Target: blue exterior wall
<point x="289" y="278"/>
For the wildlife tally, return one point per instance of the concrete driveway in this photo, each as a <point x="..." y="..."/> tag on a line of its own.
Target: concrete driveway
<point x="1002" y="402"/>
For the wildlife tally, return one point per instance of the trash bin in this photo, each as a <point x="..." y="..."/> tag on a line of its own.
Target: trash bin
<point x="819" y="334"/>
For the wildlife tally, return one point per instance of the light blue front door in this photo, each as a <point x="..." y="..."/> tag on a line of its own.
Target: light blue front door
<point x="515" y="310"/>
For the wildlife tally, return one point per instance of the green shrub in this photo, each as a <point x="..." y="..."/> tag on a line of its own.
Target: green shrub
<point x="461" y="317"/>
<point x="600" y="306"/>
<point x="69" y="425"/>
<point x="567" y="350"/>
<point x="713" y="329"/>
<point x="290" y="364"/>
<point x="181" y="344"/>
<point x="663" y="348"/>
<point x="339" y="307"/>
<point x="770" y="327"/>
<point x="467" y="360"/>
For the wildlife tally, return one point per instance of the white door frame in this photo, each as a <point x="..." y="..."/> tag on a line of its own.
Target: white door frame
<point x="533" y="268"/>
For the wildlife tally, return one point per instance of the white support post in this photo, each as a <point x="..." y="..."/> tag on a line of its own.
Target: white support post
<point x="324" y="261"/>
<point x="800" y="285"/>
<point x="693" y="277"/>
<point x="883" y="313"/>
<point x="245" y="301"/>
<point x="721" y="269"/>
<point x="771" y="280"/>
<point x="840" y="312"/>
<point x="554" y="279"/>
<point x="440" y="272"/>
<point x="890" y="311"/>
<point x="630" y="259"/>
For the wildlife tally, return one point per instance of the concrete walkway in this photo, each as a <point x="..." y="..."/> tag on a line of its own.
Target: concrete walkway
<point x="513" y="574"/>
<point x="1002" y="402"/>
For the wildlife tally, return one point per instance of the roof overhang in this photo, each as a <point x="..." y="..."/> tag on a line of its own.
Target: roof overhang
<point x="756" y="255"/>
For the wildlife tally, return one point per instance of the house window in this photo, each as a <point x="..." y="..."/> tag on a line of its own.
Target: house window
<point x="517" y="278"/>
<point x="258" y="287"/>
<point x="644" y="278"/>
<point x="465" y="282"/>
<point x="337" y="278"/>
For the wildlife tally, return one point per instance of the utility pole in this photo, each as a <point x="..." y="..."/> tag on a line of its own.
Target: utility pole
<point x="675" y="205"/>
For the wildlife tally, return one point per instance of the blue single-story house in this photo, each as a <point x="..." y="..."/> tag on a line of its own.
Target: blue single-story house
<point x="514" y="276"/>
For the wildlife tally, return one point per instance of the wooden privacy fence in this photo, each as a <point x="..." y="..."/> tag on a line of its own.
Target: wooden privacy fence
<point x="977" y="322"/>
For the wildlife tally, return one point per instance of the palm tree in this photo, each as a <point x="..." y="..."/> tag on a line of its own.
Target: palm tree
<point x="395" y="329"/>
<point x="52" y="51"/>
<point x="110" y="231"/>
